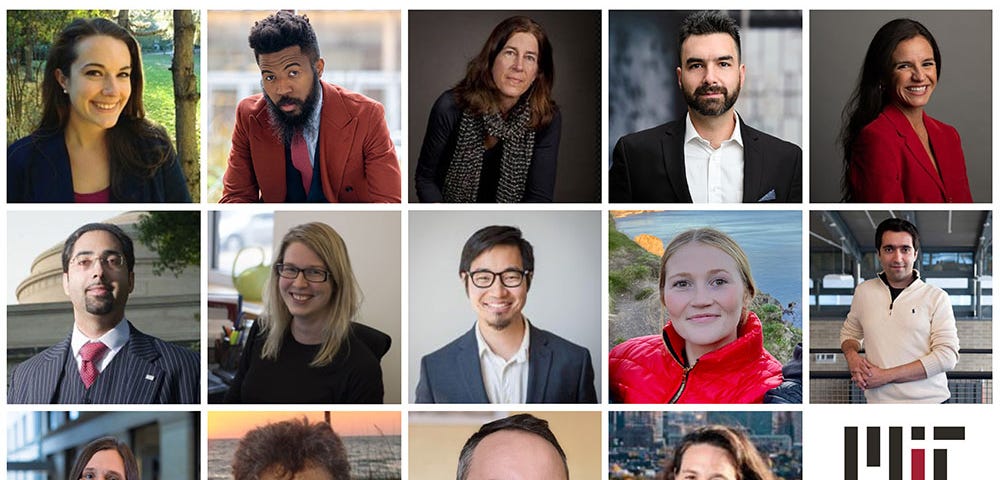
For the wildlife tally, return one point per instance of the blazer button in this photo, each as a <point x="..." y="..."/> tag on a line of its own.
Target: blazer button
<point x="349" y="189"/>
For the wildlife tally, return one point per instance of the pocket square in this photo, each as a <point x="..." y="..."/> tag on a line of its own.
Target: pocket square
<point x="769" y="196"/>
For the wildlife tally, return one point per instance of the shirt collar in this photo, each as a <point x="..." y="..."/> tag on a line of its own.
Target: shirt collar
<point x="690" y="133"/>
<point x="522" y="352"/>
<point x="114" y="339"/>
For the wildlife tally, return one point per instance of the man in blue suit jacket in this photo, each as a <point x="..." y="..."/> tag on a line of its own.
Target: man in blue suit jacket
<point x="504" y="358"/>
<point x="105" y="359"/>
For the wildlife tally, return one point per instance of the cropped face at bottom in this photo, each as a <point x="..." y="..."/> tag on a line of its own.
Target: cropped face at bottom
<point x="311" y="472"/>
<point x="104" y="465"/>
<point x="702" y="461"/>
<point x="515" y="455"/>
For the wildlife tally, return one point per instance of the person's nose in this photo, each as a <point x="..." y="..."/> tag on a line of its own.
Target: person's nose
<point x="110" y="87"/>
<point x="702" y="296"/>
<point x="518" y="64"/>
<point x="497" y="289"/>
<point x="711" y="75"/>
<point x="283" y="87"/>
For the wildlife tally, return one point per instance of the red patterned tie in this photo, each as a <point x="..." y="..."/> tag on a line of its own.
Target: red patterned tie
<point x="90" y="353"/>
<point x="300" y="159"/>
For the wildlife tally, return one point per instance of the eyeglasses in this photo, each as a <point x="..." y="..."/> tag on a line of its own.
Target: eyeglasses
<point x="509" y="278"/>
<point x="313" y="275"/>
<point x="111" y="261"/>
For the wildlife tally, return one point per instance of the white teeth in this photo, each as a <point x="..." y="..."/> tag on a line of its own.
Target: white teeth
<point x="299" y="297"/>
<point x="917" y="89"/>
<point x="106" y="106"/>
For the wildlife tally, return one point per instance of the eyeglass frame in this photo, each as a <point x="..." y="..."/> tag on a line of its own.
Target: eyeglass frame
<point x="279" y="266"/>
<point x="525" y="275"/>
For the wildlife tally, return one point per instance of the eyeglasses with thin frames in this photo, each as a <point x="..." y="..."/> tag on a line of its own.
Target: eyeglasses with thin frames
<point x="313" y="275"/>
<point x="510" y="278"/>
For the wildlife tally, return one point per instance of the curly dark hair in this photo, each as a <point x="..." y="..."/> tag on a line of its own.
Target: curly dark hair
<point x="106" y="443"/>
<point x="477" y="92"/>
<point x="288" y="447"/>
<point x="135" y="144"/>
<point x="281" y="30"/>
<point x="871" y="96"/>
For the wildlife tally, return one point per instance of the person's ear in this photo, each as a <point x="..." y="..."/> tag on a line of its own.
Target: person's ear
<point x="62" y="79"/>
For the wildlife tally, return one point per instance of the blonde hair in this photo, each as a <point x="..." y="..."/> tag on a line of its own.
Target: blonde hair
<point x="276" y="320"/>
<point x="712" y="238"/>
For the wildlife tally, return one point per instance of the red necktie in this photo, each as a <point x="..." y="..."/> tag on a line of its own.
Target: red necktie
<point x="300" y="159"/>
<point x="90" y="353"/>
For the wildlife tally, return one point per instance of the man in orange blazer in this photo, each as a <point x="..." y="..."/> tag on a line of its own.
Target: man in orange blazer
<point x="305" y="140"/>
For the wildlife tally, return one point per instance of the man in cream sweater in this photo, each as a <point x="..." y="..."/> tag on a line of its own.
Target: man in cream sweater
<point x="907" y="326"/>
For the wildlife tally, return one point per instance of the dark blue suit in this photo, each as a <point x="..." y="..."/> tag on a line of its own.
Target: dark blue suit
<point x="147" y="370"/>
<point x="558" y="372"/>
<point x="38" y="171"/>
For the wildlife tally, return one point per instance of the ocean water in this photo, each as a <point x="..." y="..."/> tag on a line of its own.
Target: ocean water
<point x="771" y="239"/>
<point x="371" y="457"/>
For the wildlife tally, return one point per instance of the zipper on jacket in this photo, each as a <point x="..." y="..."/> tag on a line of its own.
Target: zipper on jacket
<point x="680" y="389"/>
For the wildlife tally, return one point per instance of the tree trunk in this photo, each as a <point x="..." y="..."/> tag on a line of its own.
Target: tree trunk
<point x="186" y="98"/>
<point x="123" y="20"/>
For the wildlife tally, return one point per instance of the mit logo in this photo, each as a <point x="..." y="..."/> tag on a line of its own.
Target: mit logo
<point x="917" y="457"/>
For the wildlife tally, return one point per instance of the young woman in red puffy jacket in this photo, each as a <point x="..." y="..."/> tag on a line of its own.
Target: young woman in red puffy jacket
<point x="711" y="349"/>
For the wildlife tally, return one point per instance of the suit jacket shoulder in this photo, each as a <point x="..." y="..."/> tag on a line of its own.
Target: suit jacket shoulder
<point x="559" y="371"/>
<point x="35" y="380"/>
<point x="772" y="168"/>
<point x="451" y="374"/>
<point x="149" y="357"/>
<point x="648" y="166"/>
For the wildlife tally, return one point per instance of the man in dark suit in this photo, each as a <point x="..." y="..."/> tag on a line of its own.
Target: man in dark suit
<point x="305" y="140"/>
<point x="504" y="358"/>
<point x="710" y="156"/>
<point x="105" y="359"/>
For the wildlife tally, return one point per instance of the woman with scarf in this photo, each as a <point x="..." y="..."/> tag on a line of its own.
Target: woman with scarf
<point x="494" y="137"/>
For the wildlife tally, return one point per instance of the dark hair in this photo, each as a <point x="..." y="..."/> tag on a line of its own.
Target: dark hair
<point x="288" y="447"/>
<point x="747" y="461"/>
<point x="707" y="22"/>
<point x="521" y="422"/>
<point x="870" y="96"/>
<point x="281" y="30"/>
<point x="136" y="145"/>
<point x="477" y="92"/>
<point x="105" y="443"/>
<point x="488" y="237"/>
<point x="896" y="225"/>
<point x="128" y="250"/>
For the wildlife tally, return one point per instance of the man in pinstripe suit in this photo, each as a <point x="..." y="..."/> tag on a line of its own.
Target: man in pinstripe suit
<point x="105" y="359"/>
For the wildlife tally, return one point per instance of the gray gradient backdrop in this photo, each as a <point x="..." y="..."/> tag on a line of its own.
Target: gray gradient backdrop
<point x="565" y="295"/>
<point x="441" y="43"/>
<point x="962" y="98"/>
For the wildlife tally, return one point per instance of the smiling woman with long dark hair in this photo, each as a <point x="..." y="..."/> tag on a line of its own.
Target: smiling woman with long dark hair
<point x="893" y="151"/>
<point x="94" y="143"/>
<point x="494" y="137"/>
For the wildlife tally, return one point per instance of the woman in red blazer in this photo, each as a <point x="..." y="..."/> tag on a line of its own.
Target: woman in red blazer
<point x="894" y="151"/>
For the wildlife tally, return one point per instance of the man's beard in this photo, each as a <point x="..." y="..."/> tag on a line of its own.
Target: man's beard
<point x="285" y="124"/>
<point x="99" y="305"/>
<point x="711" y="108"/>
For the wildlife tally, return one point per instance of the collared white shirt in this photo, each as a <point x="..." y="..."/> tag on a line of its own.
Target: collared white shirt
<point x="310" y="131"/>
<point x="506" y="381"/>
<point x="115" y="339"/>
<point x="713" y="175"/>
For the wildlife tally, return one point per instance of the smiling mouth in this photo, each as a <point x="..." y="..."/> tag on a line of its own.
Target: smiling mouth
<point x="920" y="89"/>
<point x="106" y="106"/>
<point x="299" y="297"/>
<point x="497" y="306"/>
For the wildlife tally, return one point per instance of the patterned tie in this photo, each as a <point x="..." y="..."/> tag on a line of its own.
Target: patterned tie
<point x="90" y="353"/>
<point x="300" y="159"/>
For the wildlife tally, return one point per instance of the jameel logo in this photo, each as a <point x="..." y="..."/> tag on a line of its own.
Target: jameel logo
<point x="918" y="463"/>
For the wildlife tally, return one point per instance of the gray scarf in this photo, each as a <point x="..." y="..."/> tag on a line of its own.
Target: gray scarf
<point x="461" y="183"/>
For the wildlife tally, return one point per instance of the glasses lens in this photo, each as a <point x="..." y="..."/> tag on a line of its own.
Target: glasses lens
<point x="482" y="279"/>
<point x="511" y="279"/>
<point x="287" y="271"/>
<point x="314" y="275"/>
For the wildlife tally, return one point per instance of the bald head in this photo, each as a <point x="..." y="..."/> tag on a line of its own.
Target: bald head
<point x="519" y="447"/>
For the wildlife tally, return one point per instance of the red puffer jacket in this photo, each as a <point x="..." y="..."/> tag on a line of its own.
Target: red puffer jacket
<point x="649" y="370"/>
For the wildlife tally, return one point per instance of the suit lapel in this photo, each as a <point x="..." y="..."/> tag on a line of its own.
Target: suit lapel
<point x="912" y="142"/>
<point x="470" y="375"/>
<point x="672" y="144"/>
<point x="337" y="130"/>
<point x="45" y="388"/>
<point x="268" y="157"/>
<point x="539" y="363"/>
<point x="139" y="375"/>
<point x="753" y="165"/>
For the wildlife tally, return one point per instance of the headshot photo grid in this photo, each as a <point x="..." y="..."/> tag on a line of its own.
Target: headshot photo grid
<point x="176" y="336"/>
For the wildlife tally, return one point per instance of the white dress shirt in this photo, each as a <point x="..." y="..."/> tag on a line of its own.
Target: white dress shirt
<point x="713" y="175"/>
<point x="506" y="381"/>
<point x="115" y="339"/>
